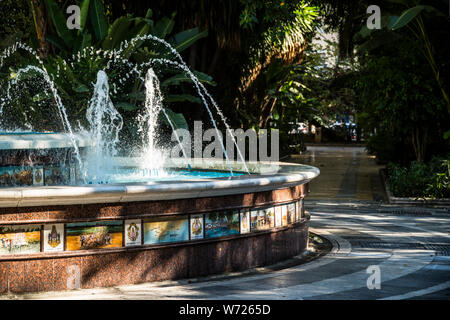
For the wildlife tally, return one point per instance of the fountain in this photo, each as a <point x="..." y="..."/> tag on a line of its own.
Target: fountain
<point x="88" y="212"/>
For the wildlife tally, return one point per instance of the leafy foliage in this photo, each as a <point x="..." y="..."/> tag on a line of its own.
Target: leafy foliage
<point x="94" y="46"/>
<point x="411" y="17"/>
<point x="271" y="93"/>
<point x="17" y="22"/>
<point x="400" y="100"/>
<point x="421" y="180"/>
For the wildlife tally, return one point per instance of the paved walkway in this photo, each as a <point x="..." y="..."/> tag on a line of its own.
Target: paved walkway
<point x="345" y="173"/>
<point x="409" y="246"/>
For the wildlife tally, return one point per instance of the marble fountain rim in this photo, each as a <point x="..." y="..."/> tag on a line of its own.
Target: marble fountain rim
<point x="41" y="140"/>
<point x="265" y="176"/>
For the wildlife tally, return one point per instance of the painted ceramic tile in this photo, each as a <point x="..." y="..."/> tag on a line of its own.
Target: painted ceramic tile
<point x="278" y="216"/>
<point x="38" y="177"/>
<point x="20" y="239"/>
<point x="219" y="224"/>
<point x="254" y="219"/>
<point x="245" y="221"/>
<point x="303" y="208"/>
<point x="5" y="177"/>
<point x="196" y="222"/>
<point x="166" y="229"/>
<point x="53" y="237"/>
<point x="291" y="213"/>
<point x="265" y="218"/>
<point x="300" y="209"/>
<point x="133" y="233"/>
<point x="15" y="176"/>
<point x="284" y="217"/>
<point x="94" y="235"/>
<point x="56" y="176"/>
<point x="270" y="216"/>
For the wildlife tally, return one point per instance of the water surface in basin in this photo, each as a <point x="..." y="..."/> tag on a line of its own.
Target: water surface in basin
<point x="130" y="175"/>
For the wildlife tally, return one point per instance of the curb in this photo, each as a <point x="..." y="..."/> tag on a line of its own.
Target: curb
<point x="411" y="201"/>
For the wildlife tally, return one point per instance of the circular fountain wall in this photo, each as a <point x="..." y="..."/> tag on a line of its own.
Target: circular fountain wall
<point x="67" y="237"/>
<point x="75" y="215"/>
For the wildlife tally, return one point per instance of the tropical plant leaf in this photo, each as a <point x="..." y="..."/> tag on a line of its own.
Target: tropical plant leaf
<point x="98" y="19"/>
<point x="83" y="15"/>
<point x="407" y="16"/>
<point x="177" y="119"/>
<point x="392" y="20"/>
<point x="149" y="14"/>
<point x="379" y="41"/>
<point x="59" y="21"/>
<point x="386" y="23"/>
<point x="187" y="38"/>
<point x="87" y="39"/>
<point x="56" y="41"/>
<point x="164" y="27"/>
<point x="182" y="98"/>
<point x="117" y="32"/>
<point x="364" y="32"/>
<point x="82" y="41"/>
<point x="204" y="78"/>
<point x="141" y="28"/>
<point x="182" y="77"/>
<point x="447" y="135"/>
<point x="81" y="88"/>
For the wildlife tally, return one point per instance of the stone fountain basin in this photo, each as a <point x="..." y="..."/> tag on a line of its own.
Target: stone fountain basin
<point x="264" y="176"/>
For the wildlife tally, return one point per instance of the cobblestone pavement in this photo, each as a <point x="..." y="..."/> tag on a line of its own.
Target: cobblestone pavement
<point x="410" y="246"/>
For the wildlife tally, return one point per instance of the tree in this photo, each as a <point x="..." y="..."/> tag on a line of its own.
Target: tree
<point x="39" y="10"/>
<point x="411" y="18"/>
<point x="77" y="56"/>
<point x="401" y="102"/>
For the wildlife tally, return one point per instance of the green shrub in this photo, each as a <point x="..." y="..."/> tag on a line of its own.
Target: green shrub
<point x="421" y="180"/>
<point x="376" y="145"/>
<point x="439" y="187"/>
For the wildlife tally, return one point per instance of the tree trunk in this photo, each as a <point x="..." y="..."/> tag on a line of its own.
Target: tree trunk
<point x="419" y="141"/>
<point x="40" y="23"/>
<point x="214" y="61"/>
<point x="265" y="113"/>
<point x="193" y="56"/>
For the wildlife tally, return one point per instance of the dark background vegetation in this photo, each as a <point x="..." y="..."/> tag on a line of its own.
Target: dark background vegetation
<point x="259" y="62"/>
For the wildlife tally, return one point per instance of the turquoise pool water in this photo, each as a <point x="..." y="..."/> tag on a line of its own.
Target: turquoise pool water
<point x="53" y="176"/>
<point x="130" y="175"/>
